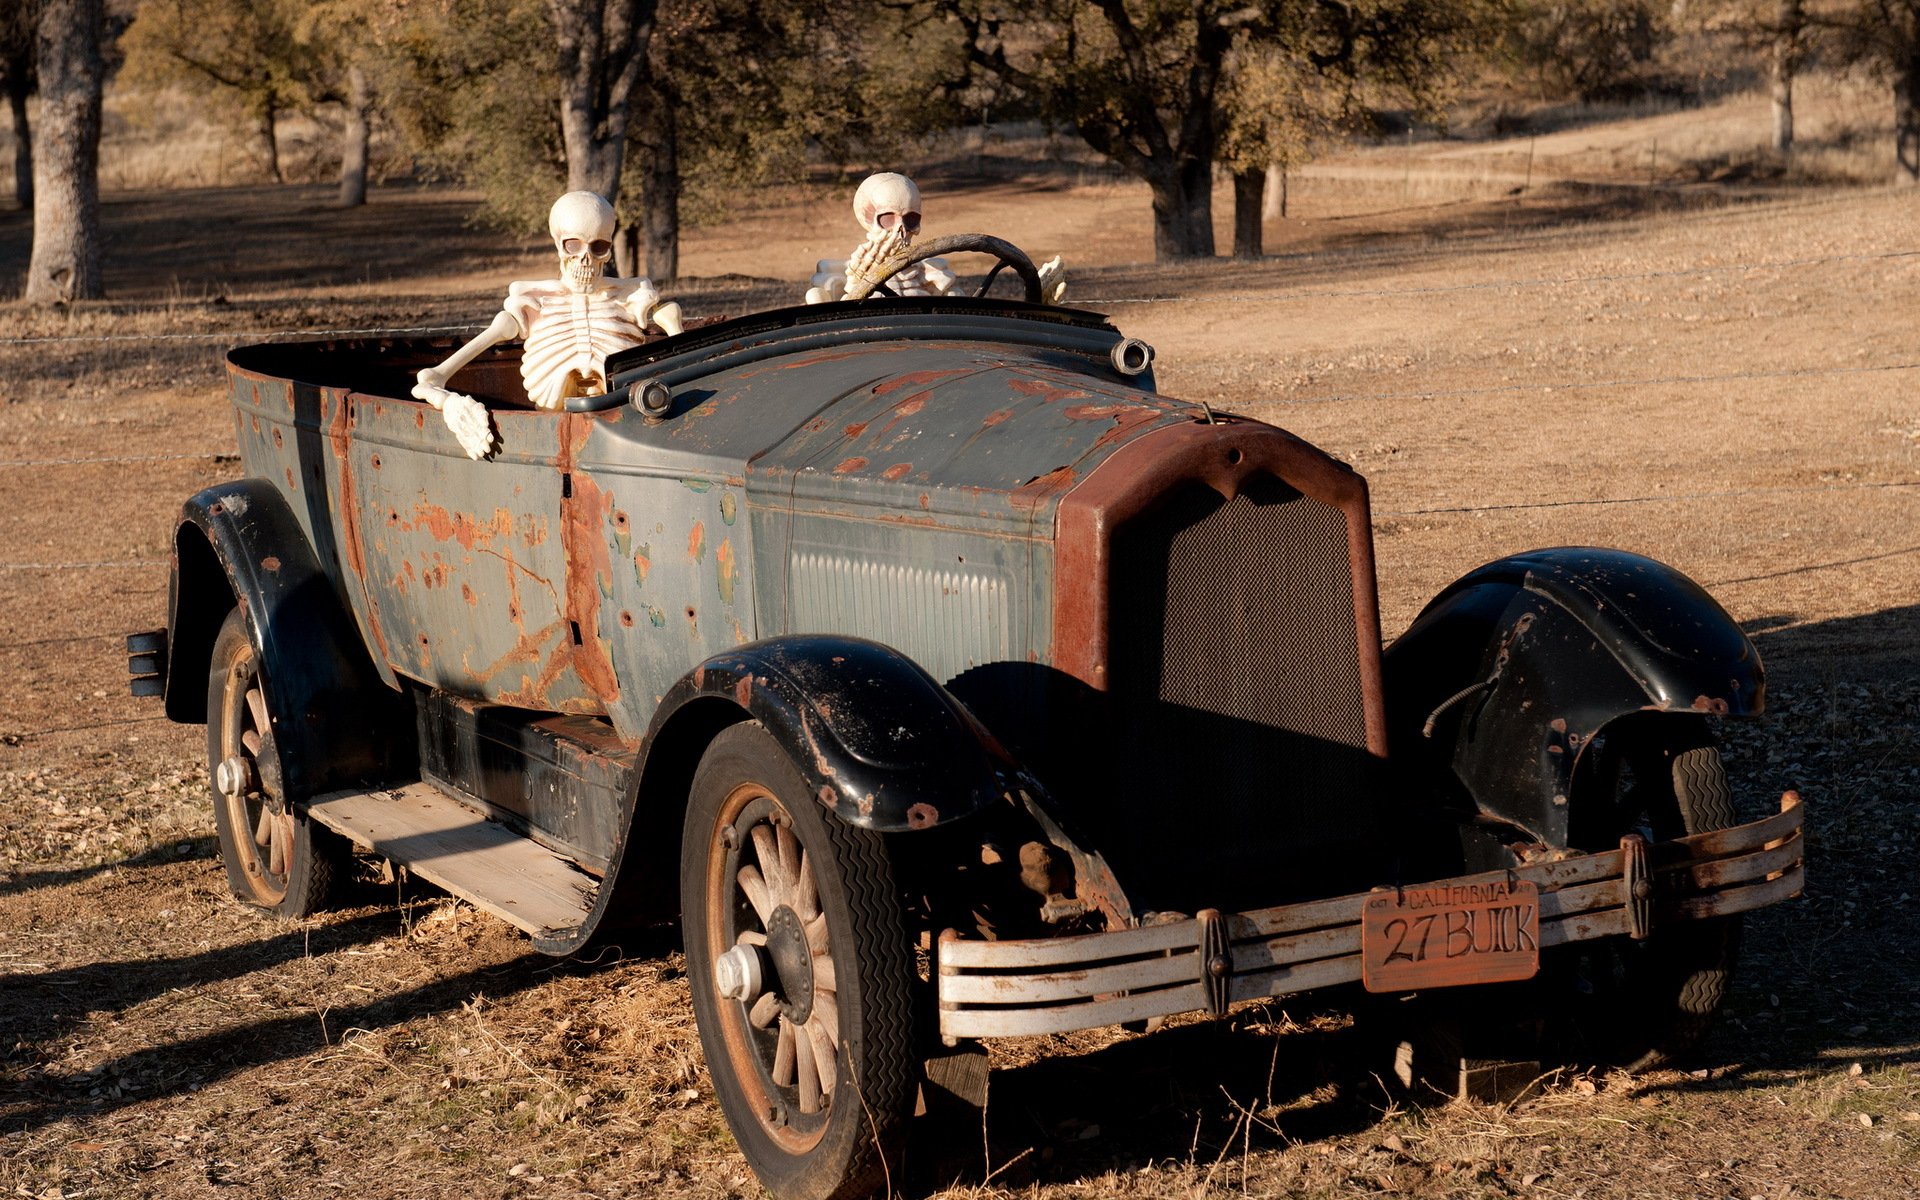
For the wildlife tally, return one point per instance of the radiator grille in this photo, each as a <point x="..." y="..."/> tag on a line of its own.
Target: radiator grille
<point x="946" y="620"/>
<point x="1236" y="682"/>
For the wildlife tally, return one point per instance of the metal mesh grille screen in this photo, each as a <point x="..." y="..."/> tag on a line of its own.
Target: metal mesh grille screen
<point x="1236" y="677"/>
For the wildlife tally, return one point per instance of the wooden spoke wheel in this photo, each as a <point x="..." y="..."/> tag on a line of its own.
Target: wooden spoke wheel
<point x="802" y="975"/>
<point x="275" y="857"/>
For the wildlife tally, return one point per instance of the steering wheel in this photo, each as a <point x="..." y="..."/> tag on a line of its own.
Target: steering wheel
<point x="1008" y="254"/>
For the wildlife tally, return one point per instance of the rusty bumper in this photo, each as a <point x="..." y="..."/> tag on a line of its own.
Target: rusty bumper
<point x="1207" y="962"/>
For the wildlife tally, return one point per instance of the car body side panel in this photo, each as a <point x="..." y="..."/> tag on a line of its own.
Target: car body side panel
<point x="293" y="433"/>
<point x="465" y="563"/>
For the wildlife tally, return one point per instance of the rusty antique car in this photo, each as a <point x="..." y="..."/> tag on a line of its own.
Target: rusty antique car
<point x="946" y="682"/>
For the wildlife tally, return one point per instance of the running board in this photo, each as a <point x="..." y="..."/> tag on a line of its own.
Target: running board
<point x="445" y="842"/>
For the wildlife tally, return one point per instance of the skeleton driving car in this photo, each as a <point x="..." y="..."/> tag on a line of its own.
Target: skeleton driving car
<point x="888" y="208"/>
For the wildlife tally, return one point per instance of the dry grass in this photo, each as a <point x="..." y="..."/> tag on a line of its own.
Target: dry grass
<point x="158" y="1041"/>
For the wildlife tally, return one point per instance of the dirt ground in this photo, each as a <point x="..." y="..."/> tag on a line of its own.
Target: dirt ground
<point x="1719" y="373"/>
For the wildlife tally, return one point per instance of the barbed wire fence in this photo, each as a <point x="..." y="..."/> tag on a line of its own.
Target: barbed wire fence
<point x="1280" y="295"/>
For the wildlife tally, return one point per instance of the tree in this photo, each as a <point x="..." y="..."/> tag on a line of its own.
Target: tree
<point x="243" y="49"/>
<point x="17" y="25"/>
<point x="1275" y="111"/>
<point x="1778" y="27"/>
<point x="340" y="44"/>
<point x="65" y="262"/>
<point x="1592" y="49"/>
<point x="1883" y="36"/>
<point x="603" y="50"/>
<point x="1148" y="83"/>
<point x="729" y="94"/>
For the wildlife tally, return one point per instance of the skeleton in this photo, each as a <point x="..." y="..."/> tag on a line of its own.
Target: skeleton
<point x="569" y="325"/>
<point x="888" y="208"/>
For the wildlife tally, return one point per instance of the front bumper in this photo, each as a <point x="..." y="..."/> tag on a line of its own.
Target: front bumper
<point x="1207" y="962"/>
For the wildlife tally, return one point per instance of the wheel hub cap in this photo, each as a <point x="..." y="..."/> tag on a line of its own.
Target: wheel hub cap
<point x="792" y="962"/>
<point x="235" y="777"/>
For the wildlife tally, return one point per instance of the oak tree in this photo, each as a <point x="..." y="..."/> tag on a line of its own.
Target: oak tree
<point x="1149" y="83"/>
<point x="65" y="262"/>
<point x="1883" y="37"/>
<point x="17" y="28"/>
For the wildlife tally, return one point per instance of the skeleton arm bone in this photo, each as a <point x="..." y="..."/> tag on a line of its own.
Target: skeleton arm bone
<point x="937" y="276"/>
<point x="464" y="415"/>
<point x="642" y="299"/>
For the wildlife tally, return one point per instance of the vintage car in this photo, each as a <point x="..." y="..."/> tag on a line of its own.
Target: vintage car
<point x="946" y="682"/>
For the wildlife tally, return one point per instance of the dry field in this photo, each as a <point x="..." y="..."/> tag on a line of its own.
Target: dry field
<point x="1714" y="371"/>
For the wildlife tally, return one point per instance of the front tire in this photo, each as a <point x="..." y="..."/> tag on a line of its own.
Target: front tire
<point x="811" y="1044"/>
<point x="1639" y="1005"/>
<point x="276" y="857"/>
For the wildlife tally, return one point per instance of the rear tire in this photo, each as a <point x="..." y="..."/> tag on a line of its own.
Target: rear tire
<point x="815" y="1066"/>
<point x="277" y="857"/>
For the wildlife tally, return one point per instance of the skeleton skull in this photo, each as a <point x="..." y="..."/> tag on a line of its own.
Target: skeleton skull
<point x="582" y="227"/>
<point x="886" y="202"/>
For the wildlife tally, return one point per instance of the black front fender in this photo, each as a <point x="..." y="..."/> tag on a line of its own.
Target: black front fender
<point x="877" y="739"/>
<point x="1507" y="675"/>
<point x="240" y="543"/>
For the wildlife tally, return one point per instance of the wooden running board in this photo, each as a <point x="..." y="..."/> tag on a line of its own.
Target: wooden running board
<point x="446" y="843"/>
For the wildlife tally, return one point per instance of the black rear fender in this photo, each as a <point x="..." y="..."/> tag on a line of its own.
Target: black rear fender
<point x="1500" y="685"/>
<point x="239" y="543"/>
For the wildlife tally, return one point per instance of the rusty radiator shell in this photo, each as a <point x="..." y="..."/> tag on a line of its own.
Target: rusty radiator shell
<point x="1055" y="985"/>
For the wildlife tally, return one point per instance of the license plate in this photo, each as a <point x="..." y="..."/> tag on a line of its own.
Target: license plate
<point x="1447" y="935"/>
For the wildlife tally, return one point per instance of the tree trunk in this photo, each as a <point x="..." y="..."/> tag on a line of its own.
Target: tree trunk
<point x="603" y="50"/>
<point x="1249" y="209"/>
<point x="65" y="264"/>
<point x="1789" y="20"/>
<point x="353" y="149"/>
<point x="22" y="142"/>
<point x="1182" y="210"/>
<point x="1275" y="205"/>
<point x="660" y="190"/>
<point x="1906" y="120"/>
<point x="267" y="133"/>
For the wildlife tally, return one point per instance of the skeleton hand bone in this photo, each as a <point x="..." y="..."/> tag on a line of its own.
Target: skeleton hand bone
<point x="874" y="260"/>
<point x="468" y="419"/>
<point x="1053" y="281"/>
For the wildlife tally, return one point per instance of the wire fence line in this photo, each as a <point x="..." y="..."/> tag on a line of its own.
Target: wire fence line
<point x="1674" y="498"/>
<point x="1585" y="385"/>
<point x="1500" y="284"/>
<point x="85" y="566"/>
<point x="1222" y="298"/>
<point x="235" y="335"/>
<point x="115" y="458"/>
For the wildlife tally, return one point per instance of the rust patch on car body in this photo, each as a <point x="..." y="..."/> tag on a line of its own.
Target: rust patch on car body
<point x="445" y="526"/>
<point x="1042" y="488"/>
<point x="896" y="472"/>
<point x="847" y="466"/>
<point x="697" y="542"/>
<point x="1050" y="393"/>
<point x="723" y="562"/>
<point x="589" y="567"/>
<point x="919" y="379"/>
<point x="271" y="562"/>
